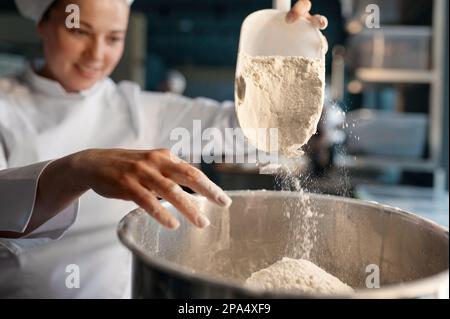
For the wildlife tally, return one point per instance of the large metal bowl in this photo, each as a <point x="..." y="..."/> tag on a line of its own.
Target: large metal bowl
<point x="351" y="240"/>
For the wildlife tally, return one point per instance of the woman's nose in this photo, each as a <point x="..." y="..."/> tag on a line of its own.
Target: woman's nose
<point x="96" y="49"/>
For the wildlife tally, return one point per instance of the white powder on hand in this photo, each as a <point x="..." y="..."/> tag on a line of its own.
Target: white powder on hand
<point x="286" y="93"/>
<point x="298" y="276"/>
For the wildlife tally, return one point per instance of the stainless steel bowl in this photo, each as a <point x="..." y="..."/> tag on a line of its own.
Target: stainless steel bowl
<point x="261" y="227"/>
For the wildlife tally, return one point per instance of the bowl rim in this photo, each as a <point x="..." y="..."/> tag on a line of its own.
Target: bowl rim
<point x="423" y="287"/>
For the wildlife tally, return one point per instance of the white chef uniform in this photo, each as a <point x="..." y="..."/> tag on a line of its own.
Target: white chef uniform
<point x="39" y="122"/>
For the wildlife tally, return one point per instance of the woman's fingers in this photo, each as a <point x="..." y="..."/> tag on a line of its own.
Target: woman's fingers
<point x="161" y="173"/>
<point x="145" y="199"/>
<point x="302" y="9"/>
<point x="173" y="193"/>
<point x="318" y="21"/>
<point x="189" y="176"/>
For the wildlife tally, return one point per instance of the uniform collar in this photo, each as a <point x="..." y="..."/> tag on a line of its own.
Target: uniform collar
<point x="53" y="88"/>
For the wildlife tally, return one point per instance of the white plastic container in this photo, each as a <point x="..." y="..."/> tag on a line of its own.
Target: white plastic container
<point x="265" y="33"/>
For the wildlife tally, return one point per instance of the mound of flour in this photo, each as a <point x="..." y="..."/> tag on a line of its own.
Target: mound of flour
<point x="297" y="275"/>
<point x="286" y="93"/>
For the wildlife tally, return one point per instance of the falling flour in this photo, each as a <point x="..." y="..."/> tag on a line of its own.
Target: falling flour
<point x="297" y="276"/>
<point x="285" y="93"/>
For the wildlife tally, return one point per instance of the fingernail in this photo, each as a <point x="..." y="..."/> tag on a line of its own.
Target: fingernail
<point x="219" y="196"/>
<point x="323" y="22"/>
<point x="173" y="224"/>
<point x="290" y="17"/>
<point x="224" y="200"/>
<point x="202" y="221"/>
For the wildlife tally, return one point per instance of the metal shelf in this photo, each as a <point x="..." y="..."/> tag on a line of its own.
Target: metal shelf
<point x="395" y="75"/>
<point x="433" y="77"/>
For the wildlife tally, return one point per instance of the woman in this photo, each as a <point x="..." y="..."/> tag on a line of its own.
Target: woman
<point x="76" y="146"/>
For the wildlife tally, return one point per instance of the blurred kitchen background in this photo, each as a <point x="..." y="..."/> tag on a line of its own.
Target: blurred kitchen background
<point x="384" y="131"/>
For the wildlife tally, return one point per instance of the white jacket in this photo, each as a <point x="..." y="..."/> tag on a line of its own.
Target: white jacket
<point x="39" y="122"/>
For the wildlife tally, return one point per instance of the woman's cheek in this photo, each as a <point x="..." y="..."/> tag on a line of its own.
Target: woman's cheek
<point x="72" y="47"/>
<point x="113" y="59"/>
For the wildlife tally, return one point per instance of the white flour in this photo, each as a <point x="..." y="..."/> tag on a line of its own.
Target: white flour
<point x="286" y="93"/>
<point x="297" y="275"/>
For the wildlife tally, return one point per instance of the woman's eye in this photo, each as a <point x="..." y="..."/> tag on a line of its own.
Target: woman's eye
<point x="79" y="32"/>
<point x="115" y="39"/>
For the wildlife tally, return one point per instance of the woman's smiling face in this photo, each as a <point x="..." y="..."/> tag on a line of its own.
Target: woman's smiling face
<point x="77" y="58"/>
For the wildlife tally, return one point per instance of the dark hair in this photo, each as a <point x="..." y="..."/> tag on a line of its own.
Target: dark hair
<point x="49" y="10"/>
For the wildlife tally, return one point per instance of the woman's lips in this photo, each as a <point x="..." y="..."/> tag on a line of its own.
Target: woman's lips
<point x="87" y="71"/>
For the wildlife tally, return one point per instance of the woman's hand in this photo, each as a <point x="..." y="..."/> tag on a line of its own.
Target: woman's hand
<point x="142" y="177"/>
<point x="301" y="9"/>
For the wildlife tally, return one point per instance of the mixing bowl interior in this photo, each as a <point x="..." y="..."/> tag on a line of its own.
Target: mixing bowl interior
<point x="342" y="236"/>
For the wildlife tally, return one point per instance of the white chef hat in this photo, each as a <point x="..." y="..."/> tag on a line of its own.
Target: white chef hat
<point x="35" y="9"/>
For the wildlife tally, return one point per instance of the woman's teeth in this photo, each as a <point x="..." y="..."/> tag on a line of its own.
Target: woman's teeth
<point x="88" y="70"/>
